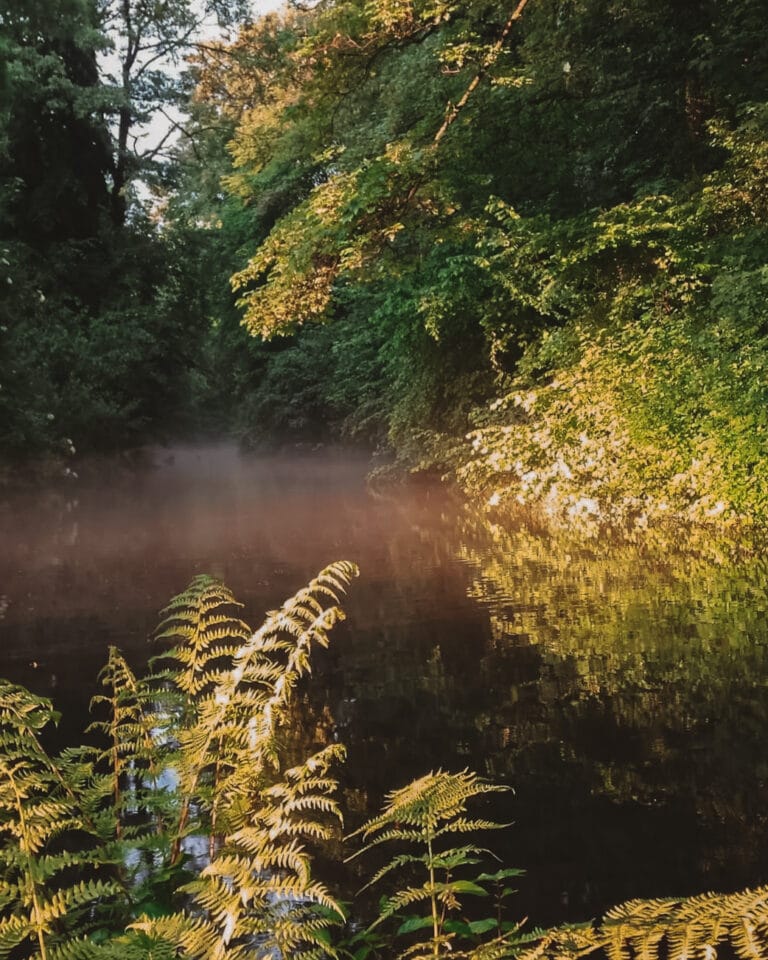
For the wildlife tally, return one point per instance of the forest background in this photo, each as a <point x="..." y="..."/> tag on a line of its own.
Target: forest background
<point x="521" y="244"/>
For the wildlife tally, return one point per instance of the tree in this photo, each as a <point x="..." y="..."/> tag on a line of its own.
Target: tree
<point x="54" y="149"/>
<point x="54" y="156"/>
<point x="149" y="42"/>
<point x="97" y="324"/>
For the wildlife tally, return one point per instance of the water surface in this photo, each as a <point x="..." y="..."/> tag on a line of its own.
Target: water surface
<point x="619" y="688"/>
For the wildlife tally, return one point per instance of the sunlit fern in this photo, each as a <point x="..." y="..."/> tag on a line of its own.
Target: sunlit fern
<point x="224" y="754"/>
<point x="426" y="813"/>
<point x="258" y="891"/>
<point x="204" y="636"/>
<point x="49" y="856"/>
<point x="113" y="801"/>
<point x="258" y="897"/>
<point x="703" y="926"/>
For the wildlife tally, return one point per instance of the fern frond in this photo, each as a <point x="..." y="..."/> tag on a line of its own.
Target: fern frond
<point x="40" y="813"/>
<point x="677" y="929"/>
<point x="401" y="900"/>
<point x="396" y="863"/>
<point x="203" y="632"/>
<point x="134" y="755"/>
<point x="200" y="735"/>
<point x="423" y="812"/>
<point x="386" y="836"/>
<point x="261" y="884"/>
<point x="191" y="937"/>
<point x="462" y="825"/>
<point x="433" y="798"/>
<point x="236" y="722"/>
<point x="77" y="949"/>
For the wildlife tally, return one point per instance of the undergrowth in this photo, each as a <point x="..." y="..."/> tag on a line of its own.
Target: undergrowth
<point x="98" y="858"/>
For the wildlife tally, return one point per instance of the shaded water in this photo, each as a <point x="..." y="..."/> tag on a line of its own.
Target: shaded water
<point x="621" y="689"/>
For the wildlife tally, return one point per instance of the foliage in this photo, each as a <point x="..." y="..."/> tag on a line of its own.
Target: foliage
<point x="555" y="211"/>
<point x="673" y="928"/>
<point x="97" y="344"/>
<point x="90" y="837"/>
<point x="425" y="813"/>
<point x="147" y="46"/>
<point x="96" y="838"/>
<point x="649" y="398"/>
<point x="102" y="315"/>
<point x="570" y="217"/>
<point x="325" y="216"/>
<point x="98" y="325"/>
<point x="50" y="891"/>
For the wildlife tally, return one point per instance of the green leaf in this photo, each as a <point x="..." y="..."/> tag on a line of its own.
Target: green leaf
<point x="483" y="926"/>
<point x="414" y="923"/>
<point x="502" y="874"/>
<point x="466" y="886"/>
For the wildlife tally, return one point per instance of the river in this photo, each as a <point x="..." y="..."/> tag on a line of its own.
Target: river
<point x="620" y="688"/>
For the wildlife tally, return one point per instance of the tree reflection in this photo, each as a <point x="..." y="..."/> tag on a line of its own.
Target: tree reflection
<point x="619" y="687"/>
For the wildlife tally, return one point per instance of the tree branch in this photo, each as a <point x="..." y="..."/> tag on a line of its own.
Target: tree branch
<point x="151" y="154"/>
<point x="488" y="61"/>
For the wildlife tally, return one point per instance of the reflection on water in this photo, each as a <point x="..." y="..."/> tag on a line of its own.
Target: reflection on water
<point x="639" y="727"/>
<point x="621" y="689"/>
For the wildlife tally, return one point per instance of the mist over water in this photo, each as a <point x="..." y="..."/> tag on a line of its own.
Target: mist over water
<point x="111" y="549"/>
<point x="621" y="689"/>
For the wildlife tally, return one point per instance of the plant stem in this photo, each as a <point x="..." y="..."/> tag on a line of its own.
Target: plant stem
<point x="26" y="846"/>
<point x="433" y="896"/>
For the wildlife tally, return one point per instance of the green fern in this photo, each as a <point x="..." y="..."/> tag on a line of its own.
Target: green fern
<point x="135" y="945"/>
<point x="425" y="813"/>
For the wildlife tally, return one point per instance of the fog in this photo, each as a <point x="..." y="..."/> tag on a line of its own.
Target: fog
<point x="92" y="561"/>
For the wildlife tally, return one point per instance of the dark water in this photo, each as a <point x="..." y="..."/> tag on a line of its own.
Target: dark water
<point x="619" y="688"/>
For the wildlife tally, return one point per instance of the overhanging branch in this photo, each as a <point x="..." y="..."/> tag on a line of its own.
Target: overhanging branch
<point x="488" y="61"/>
